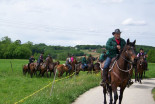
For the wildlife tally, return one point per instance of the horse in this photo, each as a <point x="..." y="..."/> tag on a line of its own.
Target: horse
<point x="73" y="64"/>
<point x="32" y="68"/>
<point x="140" y="68"/>
<point x="118" y="75"/>
<point x="44" y="67"/>
<point x="52" y="66"/>
<point x="61" y="69"/>
<point x="90" y="64"/>
<point x="25" y="69"/>
<point x="96" y="67"/>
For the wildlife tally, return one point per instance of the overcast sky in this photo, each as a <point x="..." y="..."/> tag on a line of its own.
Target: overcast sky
<point x="74" y="22"/>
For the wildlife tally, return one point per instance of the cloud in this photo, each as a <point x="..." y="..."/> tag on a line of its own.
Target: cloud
<point x="130" y="21"/>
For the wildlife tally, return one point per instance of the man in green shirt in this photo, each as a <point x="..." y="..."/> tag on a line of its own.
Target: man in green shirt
<point x="103" y="56"/>
<point x="113" y="47"/>
<point x="84" y="62"/>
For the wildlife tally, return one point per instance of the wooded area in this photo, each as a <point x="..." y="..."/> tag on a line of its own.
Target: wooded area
<point x="16" y="50"/>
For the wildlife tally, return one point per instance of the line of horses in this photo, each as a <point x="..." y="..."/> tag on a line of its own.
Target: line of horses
<point x="50" y="67"/>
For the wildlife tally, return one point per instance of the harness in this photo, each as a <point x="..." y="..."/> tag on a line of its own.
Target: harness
<point x="126" y="71"/>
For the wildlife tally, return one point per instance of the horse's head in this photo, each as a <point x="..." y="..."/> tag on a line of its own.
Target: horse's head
<point x="129" y="51"/>
<point x="141" y="59"/>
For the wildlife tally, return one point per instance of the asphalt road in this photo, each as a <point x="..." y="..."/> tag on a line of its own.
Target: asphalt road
<point x="135" y="94"/>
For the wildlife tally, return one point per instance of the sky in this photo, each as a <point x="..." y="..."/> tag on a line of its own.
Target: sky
<point x="77" y="22"/>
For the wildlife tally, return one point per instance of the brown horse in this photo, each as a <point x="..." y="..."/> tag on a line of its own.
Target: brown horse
<point x="140" y="69"/>
<point x="61" y="69"/>
<point x="96" y="68"/>
<point x="78" y="68"/>
<point x="119" y="73"/>
<point x="32" y="68"/>
<point x="25" y="69"/>
<point x="44" y="67"/>
<point x="52" y="66"/>
<point x="73" y="64"/>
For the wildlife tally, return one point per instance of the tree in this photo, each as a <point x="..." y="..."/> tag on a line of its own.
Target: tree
<point x="151" y="55"/>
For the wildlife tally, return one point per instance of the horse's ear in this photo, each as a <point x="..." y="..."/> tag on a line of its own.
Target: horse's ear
<point x="134" y="42"/>
<point x="128" y="41"/>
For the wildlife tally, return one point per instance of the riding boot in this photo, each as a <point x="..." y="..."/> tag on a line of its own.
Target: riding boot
<point x="105" y="77"/>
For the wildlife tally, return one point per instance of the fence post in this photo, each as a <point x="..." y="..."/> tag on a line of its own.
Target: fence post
<point x="53" y="83"/>
<point x="11" y="66"/>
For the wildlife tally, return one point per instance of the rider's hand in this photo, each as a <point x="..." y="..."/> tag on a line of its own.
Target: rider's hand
<point x="118" y="47"/>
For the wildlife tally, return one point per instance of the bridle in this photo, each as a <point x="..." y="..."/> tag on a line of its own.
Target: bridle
<point x="118" y="65"/>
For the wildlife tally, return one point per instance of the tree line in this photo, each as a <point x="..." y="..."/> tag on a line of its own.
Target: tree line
<point x="15" y="50"/>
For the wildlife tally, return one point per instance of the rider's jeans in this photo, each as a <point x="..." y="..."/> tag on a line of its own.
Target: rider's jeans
<point x="107" y="63"/>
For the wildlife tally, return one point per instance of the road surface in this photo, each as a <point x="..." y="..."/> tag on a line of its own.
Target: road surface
<point x="135" y="94"/>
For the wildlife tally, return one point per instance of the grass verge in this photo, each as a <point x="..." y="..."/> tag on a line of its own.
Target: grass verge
<point x="153" y="92"/>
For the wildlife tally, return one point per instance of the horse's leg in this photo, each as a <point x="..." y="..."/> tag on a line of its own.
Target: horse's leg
<point x="135" y="76"/>
<point x="141" y="78"/>
<point x="104" y="92"/>
<point x="115" y="95"/>
<point x="121" y="95"/>
<point x="111" y="99"/>
<point x="47" y="73"/>
<point x="31" y="74"/>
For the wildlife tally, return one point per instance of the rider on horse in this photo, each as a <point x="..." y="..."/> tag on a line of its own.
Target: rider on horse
<point x="72" y="58"/>
<point x="68" y="61"/>
<point x="141" y="53"/>
<point x="84" y="62"/>
<point x="113" y="47"/>
<point x="103" y="56"/>
<point x="31" y="60"/>
<point x="90" y="58"/>
<point x="40" y="60"/>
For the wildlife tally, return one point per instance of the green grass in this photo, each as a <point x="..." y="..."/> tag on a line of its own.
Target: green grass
<point x="14" y="86"/>
<point x="151" y="72"/>
<point x="153" y="92"/>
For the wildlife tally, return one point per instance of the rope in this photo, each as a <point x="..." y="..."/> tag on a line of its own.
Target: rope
<point x="22" y="100"/>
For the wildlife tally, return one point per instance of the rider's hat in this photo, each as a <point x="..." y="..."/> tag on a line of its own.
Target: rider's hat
<point x="117" y="31"/>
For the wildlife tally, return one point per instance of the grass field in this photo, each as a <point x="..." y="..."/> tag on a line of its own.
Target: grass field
<point x="15" y="86"/>
<point x="153" y="92"/>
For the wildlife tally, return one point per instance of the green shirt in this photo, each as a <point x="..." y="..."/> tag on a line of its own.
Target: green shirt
<point x="102" y="57"/>
<point x="111" y="46"/>
<point x="84" y="60"/>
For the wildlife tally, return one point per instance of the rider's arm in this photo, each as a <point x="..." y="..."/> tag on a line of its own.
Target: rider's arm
<point x="109" y="45"/>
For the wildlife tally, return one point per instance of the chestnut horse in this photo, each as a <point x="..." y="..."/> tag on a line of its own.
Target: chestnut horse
<point x="61" y="69"/>
<point x="140" y="68"/>
<point x="119" y="72"/>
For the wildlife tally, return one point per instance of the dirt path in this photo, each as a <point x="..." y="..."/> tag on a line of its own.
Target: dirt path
<point x="136" y="94"/>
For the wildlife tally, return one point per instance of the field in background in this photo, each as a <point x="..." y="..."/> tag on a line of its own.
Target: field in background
<point x="14" y="85"/>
